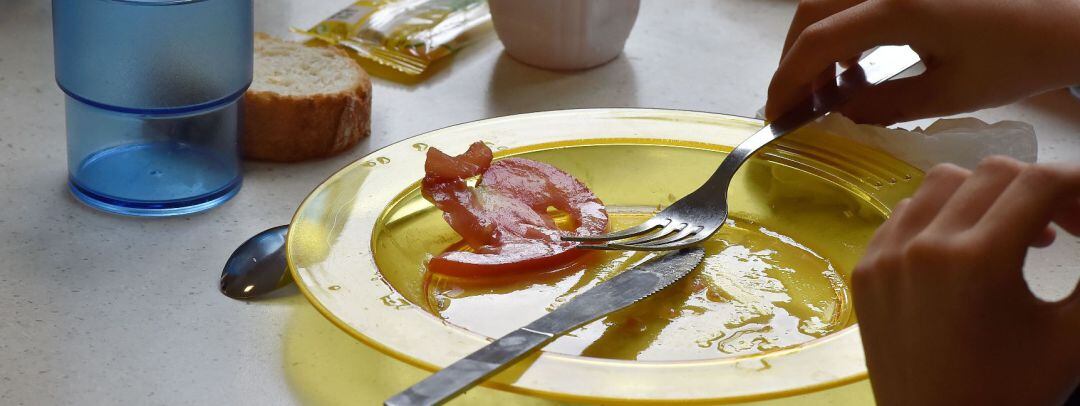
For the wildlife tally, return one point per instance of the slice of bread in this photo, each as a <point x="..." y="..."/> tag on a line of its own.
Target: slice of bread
<point x="304" y="102"/>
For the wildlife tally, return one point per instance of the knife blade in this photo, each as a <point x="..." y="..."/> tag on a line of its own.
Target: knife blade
<point x="614" y="294"/>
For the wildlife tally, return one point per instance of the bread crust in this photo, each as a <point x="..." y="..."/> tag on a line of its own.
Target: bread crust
<point x="287" y="128"/>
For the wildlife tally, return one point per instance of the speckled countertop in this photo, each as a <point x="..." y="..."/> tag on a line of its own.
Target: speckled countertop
<point x="100" y="309"/>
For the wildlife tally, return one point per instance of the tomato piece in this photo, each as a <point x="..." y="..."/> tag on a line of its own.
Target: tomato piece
<point x="505" y="217"/>
<point x="473" y="162"/>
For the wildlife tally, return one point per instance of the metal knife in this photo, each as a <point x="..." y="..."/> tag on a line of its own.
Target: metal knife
<point x="614" y="294"/>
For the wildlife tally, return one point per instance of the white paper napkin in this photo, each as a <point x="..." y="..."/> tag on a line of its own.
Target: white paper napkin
<point x="961" y="141"/>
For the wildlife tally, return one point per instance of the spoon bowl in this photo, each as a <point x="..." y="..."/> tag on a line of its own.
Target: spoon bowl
<point x="258" y="266"/>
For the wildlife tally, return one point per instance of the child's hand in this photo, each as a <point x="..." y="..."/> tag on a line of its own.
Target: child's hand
<point x="980" y="53"/>
<point x="945" y="315"/>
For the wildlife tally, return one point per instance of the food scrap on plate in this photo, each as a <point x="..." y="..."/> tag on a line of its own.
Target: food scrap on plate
<point x="504" y="219"/>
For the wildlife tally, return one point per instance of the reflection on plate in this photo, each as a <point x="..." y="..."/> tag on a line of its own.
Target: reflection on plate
<point x="767" y="315"/>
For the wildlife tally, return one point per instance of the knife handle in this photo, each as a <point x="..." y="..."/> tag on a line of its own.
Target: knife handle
<point x="467" y="372"/>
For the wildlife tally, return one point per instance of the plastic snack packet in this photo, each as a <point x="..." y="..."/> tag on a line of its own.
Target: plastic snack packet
<point x="406" y="35"/>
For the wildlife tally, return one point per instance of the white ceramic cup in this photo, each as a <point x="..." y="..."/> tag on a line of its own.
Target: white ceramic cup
<point x="564" y="34"/>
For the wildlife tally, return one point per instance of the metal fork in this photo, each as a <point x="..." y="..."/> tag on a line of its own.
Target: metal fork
<point x="699" y="215"/>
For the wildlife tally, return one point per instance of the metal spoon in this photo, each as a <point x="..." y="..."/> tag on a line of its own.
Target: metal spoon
<point x="258" y="266"/>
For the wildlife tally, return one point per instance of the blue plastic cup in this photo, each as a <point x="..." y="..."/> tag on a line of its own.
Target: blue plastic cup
<point x="153" y="100"/>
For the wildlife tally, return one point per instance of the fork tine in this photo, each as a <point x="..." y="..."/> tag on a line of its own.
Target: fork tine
<point x="600" y="247"/>
<point x="683" y="233"/>
<point x="670" y="228"/>
<point x="686" y="242"/>
<point x="637" y="230"/>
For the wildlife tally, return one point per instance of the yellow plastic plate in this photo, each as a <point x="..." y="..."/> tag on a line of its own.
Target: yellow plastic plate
<point x="767" y="316"/>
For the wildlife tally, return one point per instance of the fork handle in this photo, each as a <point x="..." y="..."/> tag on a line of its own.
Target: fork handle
<point x="880" y="65"/>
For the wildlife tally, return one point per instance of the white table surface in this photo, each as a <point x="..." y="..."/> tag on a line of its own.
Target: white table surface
<point x="101" y="309"/>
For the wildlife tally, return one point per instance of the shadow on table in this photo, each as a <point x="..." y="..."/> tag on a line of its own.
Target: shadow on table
<point x="325" y="366"/>
<point x="519" y="88"/>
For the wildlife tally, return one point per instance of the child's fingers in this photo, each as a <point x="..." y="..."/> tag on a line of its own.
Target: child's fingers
<point x="1068" y="216"/>
<point x="810" y="12"/>
<point x="938" y="187"/>
<point x="836" y="38"/>
<point x="885" y="231"/>
<point x="1026" y="207"/>
<point x="976" y="195"/>
<point x="1045" y="238"/>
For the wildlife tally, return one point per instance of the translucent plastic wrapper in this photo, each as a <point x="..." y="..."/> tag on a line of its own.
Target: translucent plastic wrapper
<point x="962" y="141"/>
<point x="406" y="35"/>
